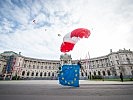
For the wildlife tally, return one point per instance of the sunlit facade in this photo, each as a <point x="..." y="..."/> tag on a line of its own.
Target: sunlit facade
<point x="110" y="65"/>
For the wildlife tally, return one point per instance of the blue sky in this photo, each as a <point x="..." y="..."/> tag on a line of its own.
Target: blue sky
<point x="110" y="23"/>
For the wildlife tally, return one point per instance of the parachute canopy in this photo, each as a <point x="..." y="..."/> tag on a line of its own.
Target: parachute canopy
<point x="66" y="46"/>
<point x="80" y="32"/>
<point x="70" y="39"/>
<point x="34" y="21"/>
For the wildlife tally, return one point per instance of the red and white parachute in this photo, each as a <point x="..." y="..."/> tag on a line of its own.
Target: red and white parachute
<point x="70" y="39"/>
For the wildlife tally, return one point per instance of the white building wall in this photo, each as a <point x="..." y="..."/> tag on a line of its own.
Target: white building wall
<point x="113" y="63"/>
<point x="2" y="65"/>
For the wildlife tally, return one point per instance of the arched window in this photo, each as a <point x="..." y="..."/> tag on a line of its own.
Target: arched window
<point x="86" y="73"/>
<point x="37" y="74"/>
<point x="99" y="73"/>
<point x="45" y="74"/>
<point x="132" y="72"/>
<point x="94" y="73"/>
<point x="23" y="73"/>
<point x="32" y="74"/>
<point x="103" y="73"/>
<point x="108" y="72"/>
<point x="49" y="67"/>
<point x="82" y="74"/>
<point x="49" y="74"/>
<point x="90" y="73"/>
<point x="53" y="74"/>
<point x="41" y="74"/>
<point x="28" y="73"/>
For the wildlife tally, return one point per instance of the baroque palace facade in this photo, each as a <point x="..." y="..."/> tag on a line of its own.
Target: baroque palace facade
<point x="110" y="65"/>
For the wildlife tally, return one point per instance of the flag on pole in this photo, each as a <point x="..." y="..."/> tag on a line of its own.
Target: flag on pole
<point x="69" y="76"/>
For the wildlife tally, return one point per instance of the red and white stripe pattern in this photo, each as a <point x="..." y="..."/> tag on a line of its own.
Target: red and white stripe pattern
<point x="70" y="39"/>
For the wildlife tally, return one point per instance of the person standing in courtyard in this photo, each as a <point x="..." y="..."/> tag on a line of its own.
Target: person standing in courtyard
<point x="121" y="77"/>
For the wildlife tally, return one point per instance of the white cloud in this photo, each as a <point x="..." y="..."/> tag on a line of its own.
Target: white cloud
<point x="110" y="23"/>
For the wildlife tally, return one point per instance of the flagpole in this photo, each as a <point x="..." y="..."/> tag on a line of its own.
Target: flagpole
<point x="89" y="66"/>
<point x="88" y="58"/>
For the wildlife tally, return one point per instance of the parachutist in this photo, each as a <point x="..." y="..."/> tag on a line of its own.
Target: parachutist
<point x="81" y="67"/>
<point x="59" y="35"/>
<point x="34" y="21"/>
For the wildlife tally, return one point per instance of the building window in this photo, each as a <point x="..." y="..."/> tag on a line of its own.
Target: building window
<point x="82" y="74"/>
<point x="49" y="67"/>
<point x="49" y="74"/>
<point x="37" y="67"/>
<point x="65" y="62"/>
<point x="45" y="74"/>
<point x="86" y="73"/>
<point x="94" y="73"/>
<point x="53" y="74"/>
<point x="111" y="63"/>
<point x="117" y="62"/>
<point x="41" y="74"/>
<point x="24" y="65"/>
<point x="132" y="72"/>
<point x="128" y="60"/>
<point x="32" y="74"/>
<point x="37" y="74"/>
<point x="99" y="73"/>
<point x="41" y="67"/>
<point x="103" y="73"/>
<point x="45" y="67"/>
<point x="33" y="66"/>
<point x="29" y="66"/>
<point x="106" y="64"/>
<point x="108" y="72"/>
<point x="23" y="73"/>
<point x="28" y="73"/>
